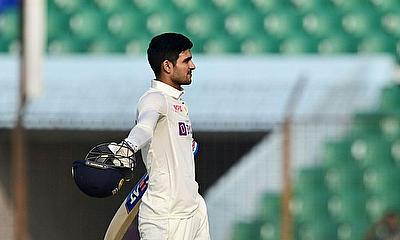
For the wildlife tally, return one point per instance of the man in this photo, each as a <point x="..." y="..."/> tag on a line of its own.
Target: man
<point x="171" y="207"/>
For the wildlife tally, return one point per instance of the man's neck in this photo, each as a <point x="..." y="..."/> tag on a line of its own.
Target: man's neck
<point x="170" y="83"/>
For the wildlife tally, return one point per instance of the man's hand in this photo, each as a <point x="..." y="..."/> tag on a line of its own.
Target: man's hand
<point x="123" y="154"/>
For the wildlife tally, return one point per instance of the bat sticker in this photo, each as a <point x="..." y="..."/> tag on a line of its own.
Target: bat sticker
<point x="136" y="193"/>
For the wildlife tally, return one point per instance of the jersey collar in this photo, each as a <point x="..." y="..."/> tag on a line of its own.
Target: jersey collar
<point x="167" y="89"/>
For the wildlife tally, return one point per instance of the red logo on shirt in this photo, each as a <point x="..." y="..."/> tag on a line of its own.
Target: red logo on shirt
<point x="178" y="108"/>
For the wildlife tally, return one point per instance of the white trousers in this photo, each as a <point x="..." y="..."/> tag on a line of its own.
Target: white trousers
<point x="192" y="228"/>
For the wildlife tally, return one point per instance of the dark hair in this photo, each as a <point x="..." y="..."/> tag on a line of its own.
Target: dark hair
<point x="166" y="46"/>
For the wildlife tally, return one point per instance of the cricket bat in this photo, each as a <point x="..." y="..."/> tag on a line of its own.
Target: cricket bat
<point x="127" y="212"/>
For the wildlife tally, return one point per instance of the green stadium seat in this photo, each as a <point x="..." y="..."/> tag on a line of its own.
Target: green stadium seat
<point x="112" y="6"/>
<point x="51" y="5"/>
<point x="87" y="24"/>
<point x="105" y="44"/>
<point x="391" y="21"/>
<point x="372" y="151"/>
<point x="204" y="24"/>
<point x="259" y="44"/>
<point x="354" y="230"/>
<point x="126" y="23"/>
<point x="389" y="100"/>
<point x="149" y="7"/>
<point x="390" y="125"/>
<point x="227" y="6"/>
<point x="349" y="206"/>
<point x="385" y="5"/>
<point x="344" y="178"/>
<point x="4" y="45"/>
<point x="65" y="45"/>
<point x="377" y="42"/>
<point x="337" y="152"/>
<point x="298" y="43"/>
<point x="268" y="6"/>
<point x="295" y="26"/>
<point x="337" y="42"/>
<point x="70" y="6"/>
<point x="14" y="47"/>
<point x="321" y="22"/>
<point x="310" y="5"/>
<point x="397" y="53"/>
<point x="57" y="22"/>
<point x="282" y="22"/>
<point x="360" y="22"/>
<point x="310" y="179"/>
<point x="310" y="205"/>
<point x="243" y="23"/>
<point x="396" y="151"/>
<point x="198" y="45"/>
<point x="318" y="229"/>
<point x="270" y="231"/>
<point x="382" y="179"/>
<point x="192" y="6"/>
<point x="137" y="45"/>
<point x="366" y="123"/>
<point x="349" y="5"/>
<point x="378" y="205"/>
<point x="9" y="25"/>
<point x="165" y="20"/>
<point x="270" y="207"/>
<point x="246" y="230"/>
<point x="221" y="43"/>
<point x="10" y="46"/>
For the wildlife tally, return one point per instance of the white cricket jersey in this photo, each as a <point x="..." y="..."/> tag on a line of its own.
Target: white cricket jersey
<point x="164" y="134"/>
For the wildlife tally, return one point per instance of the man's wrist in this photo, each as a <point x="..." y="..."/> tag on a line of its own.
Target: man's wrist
<point x="133" y="146"/>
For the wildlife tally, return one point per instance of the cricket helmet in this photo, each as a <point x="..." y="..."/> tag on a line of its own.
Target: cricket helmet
<point x="98" y="175"/>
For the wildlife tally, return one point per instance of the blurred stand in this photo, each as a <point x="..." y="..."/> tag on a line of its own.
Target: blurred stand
<point x="387" y="228"/>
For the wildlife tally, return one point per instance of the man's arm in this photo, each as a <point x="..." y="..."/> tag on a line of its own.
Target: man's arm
<point x="150" y="108"/>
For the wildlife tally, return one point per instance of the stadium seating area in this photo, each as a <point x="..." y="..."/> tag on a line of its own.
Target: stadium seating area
<point x="356" y="184"/>
<point x="217" y="26"/>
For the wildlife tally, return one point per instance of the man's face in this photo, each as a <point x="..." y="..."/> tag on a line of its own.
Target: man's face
<point x="182" y="71"/>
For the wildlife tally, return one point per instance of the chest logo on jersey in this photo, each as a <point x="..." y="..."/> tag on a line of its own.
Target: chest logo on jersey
<point x="178" y="108"/>
<point x="185" y="129"/>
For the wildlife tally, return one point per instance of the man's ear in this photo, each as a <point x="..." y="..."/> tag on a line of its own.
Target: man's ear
<point x="167" y="66"/>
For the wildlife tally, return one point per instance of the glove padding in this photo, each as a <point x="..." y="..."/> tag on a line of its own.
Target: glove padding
<point x="124" y="156"/>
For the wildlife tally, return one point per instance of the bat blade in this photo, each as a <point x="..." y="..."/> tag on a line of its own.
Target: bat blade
<point x="127" y="212"/>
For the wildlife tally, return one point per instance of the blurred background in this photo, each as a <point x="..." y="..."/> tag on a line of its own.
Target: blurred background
<point x="295" y="105"/>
